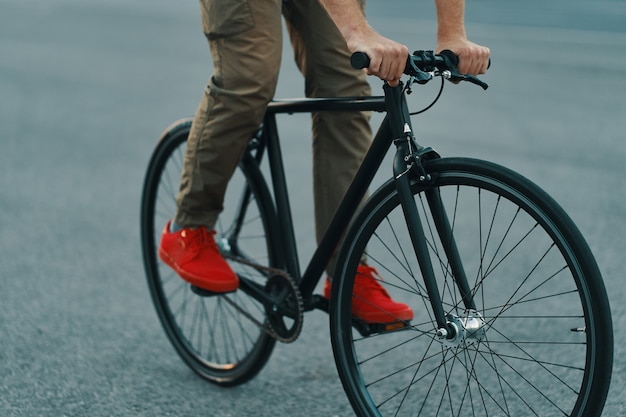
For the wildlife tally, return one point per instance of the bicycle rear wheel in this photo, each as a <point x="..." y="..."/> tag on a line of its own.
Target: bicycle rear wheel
<point x="545" y="344"/>
<point x="220" y="337"/>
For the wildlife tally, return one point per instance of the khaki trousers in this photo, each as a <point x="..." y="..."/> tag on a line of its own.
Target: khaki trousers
<point x="245" y="39"/>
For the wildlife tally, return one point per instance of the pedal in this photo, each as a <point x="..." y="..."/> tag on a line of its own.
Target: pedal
<point x="368" y="329"/>
<point x="392" y="327"/>
<point x="321" y="303"/>
<point x="206" y="293"/>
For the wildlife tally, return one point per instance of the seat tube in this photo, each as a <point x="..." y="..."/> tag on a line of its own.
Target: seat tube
<point x="281" y="196"/>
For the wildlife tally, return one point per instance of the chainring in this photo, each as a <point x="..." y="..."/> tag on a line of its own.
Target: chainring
<point x="285" y="313"/>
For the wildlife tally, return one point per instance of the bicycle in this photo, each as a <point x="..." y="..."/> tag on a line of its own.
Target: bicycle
<point x="511" y="313"/>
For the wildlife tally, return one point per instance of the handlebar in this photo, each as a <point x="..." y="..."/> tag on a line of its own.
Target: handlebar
<point x="421" y="63"/>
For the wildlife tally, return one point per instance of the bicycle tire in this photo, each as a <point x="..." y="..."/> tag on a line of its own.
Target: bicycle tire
<point x="214" y="335"/>
<point x="548" y="343"/>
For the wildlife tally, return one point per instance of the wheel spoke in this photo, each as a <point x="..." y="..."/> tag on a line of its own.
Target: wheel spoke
<point x="222" y="337"/>
<point x="528" y="356"/>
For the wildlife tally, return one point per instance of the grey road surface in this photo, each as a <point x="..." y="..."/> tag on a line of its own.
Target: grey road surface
<point x="87" y="86"/>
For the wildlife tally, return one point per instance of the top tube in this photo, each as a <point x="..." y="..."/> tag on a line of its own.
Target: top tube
<point x="308" y="105"/>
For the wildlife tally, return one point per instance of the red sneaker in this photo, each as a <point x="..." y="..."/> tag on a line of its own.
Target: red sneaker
<point x="371" y="302"/>
<point x="194" y="255"/>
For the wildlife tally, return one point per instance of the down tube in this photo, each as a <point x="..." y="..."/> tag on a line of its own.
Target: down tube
<point x="349" y="205"/>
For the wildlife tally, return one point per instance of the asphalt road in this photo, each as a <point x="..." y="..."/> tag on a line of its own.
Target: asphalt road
<point x="86" y="87"/>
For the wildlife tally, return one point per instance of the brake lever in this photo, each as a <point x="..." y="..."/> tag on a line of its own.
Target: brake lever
<point x="451" y="74"/>
<point x="419" y="76"/>
<point x="476" y="81"/>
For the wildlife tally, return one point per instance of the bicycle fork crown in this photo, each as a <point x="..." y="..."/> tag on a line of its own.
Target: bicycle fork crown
<point x="462" y="330"/>
<point x="411" y="154"/>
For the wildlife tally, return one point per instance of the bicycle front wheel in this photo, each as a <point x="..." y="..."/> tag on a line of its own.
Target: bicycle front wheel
<point x="221" y="337"/>
<point x="544" y="343"/>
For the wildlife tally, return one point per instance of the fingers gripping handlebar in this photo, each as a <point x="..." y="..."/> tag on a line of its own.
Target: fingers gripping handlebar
<point x="421" y="62"/>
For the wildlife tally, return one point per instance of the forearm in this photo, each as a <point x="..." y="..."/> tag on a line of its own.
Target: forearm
<point x="473" y="58"/>
<point x="387" y="57"/>
<point x="348" y="17"/>
<point x="450" y="20"/>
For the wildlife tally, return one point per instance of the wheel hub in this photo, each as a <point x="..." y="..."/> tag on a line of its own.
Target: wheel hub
<point x="465" y="330"/>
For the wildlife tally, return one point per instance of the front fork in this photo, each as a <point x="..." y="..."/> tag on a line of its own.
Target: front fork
<point x="407" y="164"/>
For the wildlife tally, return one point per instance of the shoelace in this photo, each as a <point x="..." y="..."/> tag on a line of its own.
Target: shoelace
<point x="197" y="239"/>
<point x="367" y="281"/>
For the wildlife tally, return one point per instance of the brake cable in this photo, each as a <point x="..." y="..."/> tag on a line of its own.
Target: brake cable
<point x="408" y="90"/>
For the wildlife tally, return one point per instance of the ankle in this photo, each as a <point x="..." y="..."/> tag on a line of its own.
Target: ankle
<point x="175" y="227"/>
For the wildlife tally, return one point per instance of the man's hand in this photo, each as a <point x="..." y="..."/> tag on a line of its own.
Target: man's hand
<point x="387" y="57"/>
<point x="473" y="58"/>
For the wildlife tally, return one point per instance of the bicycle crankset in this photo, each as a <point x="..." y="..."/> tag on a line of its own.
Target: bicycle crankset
<point x="286" y="309"/>
<point x="280" y="297"/>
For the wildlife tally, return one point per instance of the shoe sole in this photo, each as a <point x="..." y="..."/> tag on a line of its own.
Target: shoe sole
<point x="200" y="282"/>
<point x="386" y="317"/>
<point x="403" y="316"/>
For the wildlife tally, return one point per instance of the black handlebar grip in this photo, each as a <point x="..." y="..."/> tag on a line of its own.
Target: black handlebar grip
<point x="359" y="60"/>
<point x="454" y="59"/>
<point x="450" y="56"/>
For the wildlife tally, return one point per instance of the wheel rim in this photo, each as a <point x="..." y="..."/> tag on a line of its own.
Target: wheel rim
<point x="220" y="336"/>
<point x="410" y="373"/>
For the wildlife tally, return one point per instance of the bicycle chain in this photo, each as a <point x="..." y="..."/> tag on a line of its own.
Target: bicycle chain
<point x="296" y="328"/>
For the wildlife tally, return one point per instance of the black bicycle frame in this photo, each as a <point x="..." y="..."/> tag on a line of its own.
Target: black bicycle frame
<point x="396" y="129"/>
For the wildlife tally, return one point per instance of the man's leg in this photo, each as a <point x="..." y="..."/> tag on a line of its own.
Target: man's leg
<point x="340" y="140"/>
<point x="245" y="37"/>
